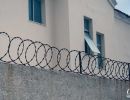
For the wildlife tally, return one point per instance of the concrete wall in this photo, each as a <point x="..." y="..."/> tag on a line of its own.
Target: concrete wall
<point x="28" y="83"/>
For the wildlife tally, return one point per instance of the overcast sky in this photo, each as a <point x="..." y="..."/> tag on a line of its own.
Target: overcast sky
<point x="124" y="6"/>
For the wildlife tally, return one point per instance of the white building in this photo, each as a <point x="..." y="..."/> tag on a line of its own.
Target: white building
<point x="62" y="23"/>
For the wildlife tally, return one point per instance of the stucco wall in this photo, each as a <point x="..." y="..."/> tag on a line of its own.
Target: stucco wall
<point x="14" y="20"/>
<point x="61" y="24"/>
<point x="121" y="43"/>
<point x="116" y="32"/>
<point x="28" y="83"/>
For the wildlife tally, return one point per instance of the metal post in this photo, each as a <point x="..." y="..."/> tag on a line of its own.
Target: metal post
<point x="129" y="70"/>
<point x="128" y="90"/>
<point x="80" y="62"/>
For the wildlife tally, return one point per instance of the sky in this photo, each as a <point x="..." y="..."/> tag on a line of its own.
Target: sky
<point x="124" y="6"/>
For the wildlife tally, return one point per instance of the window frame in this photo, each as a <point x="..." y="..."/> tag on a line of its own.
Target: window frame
<point x="32" y="13"/>
<point x="86" y="47"/>
<point x="101" y="56"/>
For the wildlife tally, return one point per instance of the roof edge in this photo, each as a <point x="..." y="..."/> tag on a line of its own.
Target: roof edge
<point x="122" y="16"/>
<point x="113" y="3"/>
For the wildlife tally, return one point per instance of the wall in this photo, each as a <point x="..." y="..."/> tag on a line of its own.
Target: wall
<point x="121" y="44"/>
<point x="116" y="32"/>
<point x="15" y="21"/>
<point x="18" y="82"/>
<point x="61" y="24"/>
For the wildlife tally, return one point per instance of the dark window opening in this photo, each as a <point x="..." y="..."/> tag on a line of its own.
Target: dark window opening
<point x="100" y="46"/>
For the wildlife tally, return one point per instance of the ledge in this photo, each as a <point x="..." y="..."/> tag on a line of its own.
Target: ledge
<point x="122" y="16"/>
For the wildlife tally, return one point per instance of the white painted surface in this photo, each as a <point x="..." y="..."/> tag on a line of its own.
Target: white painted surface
<point x="15" y="21"/>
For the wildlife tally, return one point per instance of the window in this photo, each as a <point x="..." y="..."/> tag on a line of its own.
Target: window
<point x="89" y="44"/>
<point x="87" y="31"/>
<point x="100" y="45"/>
<point x="35" y="10"/>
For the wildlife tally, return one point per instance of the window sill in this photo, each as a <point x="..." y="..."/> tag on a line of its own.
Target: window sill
<point x="41" y="24"/>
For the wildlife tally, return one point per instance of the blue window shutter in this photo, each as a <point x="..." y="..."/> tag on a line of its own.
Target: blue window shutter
<point x="99" y="39"/>
<point x="37" y="11"/>
<point x="86" y="25"/>
<point x="30" y="2"/>
<point x="86" y="30"/>
<point x="87" y="48"/>
<point x="99" y="45"/>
